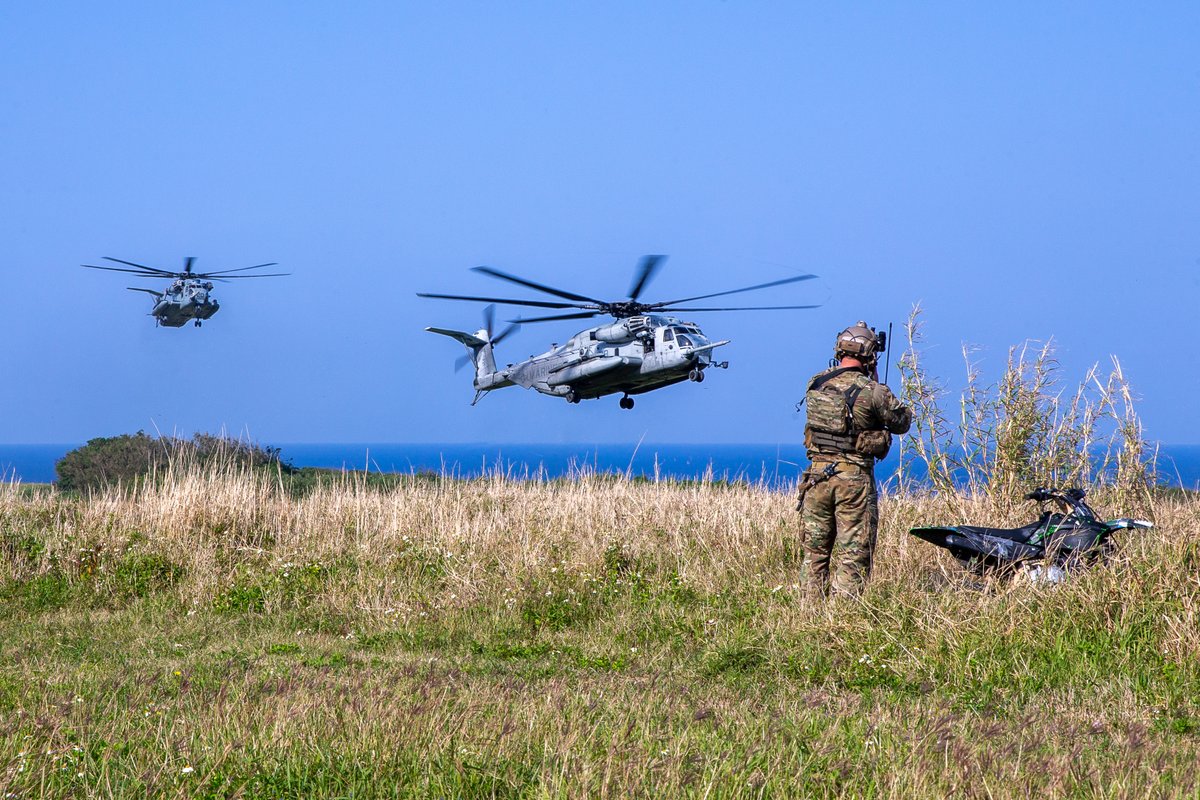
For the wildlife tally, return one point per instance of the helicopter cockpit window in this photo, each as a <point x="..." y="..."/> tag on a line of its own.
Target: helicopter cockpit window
<point x="694" y="337"/>
<point x="669" y="335"/>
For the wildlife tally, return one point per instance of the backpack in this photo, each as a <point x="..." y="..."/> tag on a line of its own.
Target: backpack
<point x="831" y="410"/>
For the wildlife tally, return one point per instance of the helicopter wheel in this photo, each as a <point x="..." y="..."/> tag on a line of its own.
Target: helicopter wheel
<point x="572" y="397"/>
<point x="197" y="323"/>
<point x="626" y="402"/>
<point x="697" y="375"/>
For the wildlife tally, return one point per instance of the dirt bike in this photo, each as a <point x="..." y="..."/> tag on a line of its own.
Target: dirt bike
<point x="1046" y="549"/>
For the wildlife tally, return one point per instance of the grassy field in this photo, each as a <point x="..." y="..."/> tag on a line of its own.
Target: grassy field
<point x="214" y="636"/>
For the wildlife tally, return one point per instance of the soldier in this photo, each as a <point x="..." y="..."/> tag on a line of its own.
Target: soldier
<point x="851" y="419"/>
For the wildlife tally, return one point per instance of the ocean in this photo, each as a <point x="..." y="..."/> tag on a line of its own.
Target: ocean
<point x="1178" y="465"/>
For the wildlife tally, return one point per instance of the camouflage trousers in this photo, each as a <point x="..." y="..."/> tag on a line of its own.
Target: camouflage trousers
<point x="839" y="522"/>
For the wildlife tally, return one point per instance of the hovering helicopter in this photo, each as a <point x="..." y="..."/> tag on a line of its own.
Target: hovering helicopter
<point x="641" y="351"/>
<point x="187" y="297"/>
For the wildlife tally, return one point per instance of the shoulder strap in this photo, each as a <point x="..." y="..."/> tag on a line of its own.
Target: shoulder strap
<point x="821" y="380"/>
<point x="852" y="396"/>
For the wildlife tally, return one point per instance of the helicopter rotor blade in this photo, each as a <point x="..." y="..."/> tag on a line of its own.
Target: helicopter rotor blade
<point x="581" y="315"/>
<point x="210" y="276"/>
<point x="504" y="334"/>
<point x="501" y="300"/>
<point x="647" y="268"/>
<point x="147" y="291"/>
<point x="461" y="362"/>
<point x="795" y="279"/>
<point x="242" y="269"/>
<point x="504" y="276"/>
<point x="140" y="266"/>
<point x="143" y="273"/>
<point x="187" y="265"/>
<point x="489" y="319"/>
<point x="741" y="308"/>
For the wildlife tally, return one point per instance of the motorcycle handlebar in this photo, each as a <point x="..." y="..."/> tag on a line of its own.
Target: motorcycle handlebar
<point x="1069" y="497"/>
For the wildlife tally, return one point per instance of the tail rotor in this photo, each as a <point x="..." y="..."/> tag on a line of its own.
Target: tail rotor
<point x="489" y="339"/>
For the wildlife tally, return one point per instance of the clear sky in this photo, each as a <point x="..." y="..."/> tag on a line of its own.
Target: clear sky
<point x="1024" y="170"/>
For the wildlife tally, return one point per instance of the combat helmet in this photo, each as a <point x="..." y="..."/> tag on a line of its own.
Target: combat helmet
<point x="858" y="341"/>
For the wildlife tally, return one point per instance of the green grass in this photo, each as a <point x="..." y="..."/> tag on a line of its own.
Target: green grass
<point x="457" y="641"/>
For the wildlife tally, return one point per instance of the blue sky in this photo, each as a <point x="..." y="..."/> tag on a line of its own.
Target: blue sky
<point x="1023" y="170"/>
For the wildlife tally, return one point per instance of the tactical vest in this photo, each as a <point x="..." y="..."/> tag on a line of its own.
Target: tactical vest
<point x="831" y="414"/>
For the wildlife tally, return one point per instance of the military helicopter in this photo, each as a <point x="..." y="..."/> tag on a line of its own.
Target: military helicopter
<point x="187" y="298"/>
<point x="643" y="350"/>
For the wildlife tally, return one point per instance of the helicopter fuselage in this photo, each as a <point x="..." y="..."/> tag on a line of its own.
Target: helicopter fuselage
<point x="630" y="356"/>
<point x="183" y="302"/>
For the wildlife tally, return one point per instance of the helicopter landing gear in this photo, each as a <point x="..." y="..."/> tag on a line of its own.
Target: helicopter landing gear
<point x="572" y="397"/>
<point x="696" y="375"/>
<point x="626" y="402"/>
<point x="197" y="323"/>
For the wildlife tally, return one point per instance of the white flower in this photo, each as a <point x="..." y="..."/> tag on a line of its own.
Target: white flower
<point x="188" y="770"/>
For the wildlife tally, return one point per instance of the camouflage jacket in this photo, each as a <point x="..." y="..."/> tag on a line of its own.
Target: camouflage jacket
<point x="875" y="409"/>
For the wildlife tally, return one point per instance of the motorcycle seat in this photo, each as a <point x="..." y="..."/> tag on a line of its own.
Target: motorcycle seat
<point x="1021" y="535"/>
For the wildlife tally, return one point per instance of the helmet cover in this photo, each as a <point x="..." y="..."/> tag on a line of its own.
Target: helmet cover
<point x="857" y="341"/>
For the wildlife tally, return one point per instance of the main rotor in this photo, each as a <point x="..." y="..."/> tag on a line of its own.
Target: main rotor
<point x="647" y="268"/>
<point x="187" y="274"/>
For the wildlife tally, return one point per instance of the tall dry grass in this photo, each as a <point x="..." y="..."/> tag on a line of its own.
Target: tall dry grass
<point x="595" y="636"/>
<point x="1028" y="429"/>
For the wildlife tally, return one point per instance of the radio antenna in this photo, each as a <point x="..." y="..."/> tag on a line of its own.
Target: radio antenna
<point x="887" y="364"/>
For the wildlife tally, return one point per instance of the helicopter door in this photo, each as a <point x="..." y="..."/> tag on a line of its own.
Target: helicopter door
<point x="668" y="339"/>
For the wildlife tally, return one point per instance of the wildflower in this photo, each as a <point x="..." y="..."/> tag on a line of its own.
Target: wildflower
<point x="187" y="770"/>
<point x="177" y="673"/>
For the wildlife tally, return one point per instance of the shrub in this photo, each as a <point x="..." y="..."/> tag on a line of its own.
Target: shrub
<point x="128" y="458"/>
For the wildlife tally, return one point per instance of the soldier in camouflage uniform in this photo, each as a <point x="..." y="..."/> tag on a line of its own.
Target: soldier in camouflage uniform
<point x="851" y="419"/>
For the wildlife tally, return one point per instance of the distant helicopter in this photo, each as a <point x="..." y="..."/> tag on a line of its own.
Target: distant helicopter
<point x="640" y="352"/>
<point x="187" y="298"/>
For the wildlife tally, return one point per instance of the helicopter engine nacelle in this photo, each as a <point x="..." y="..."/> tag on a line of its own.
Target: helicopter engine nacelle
<point x="625" y="330"/>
